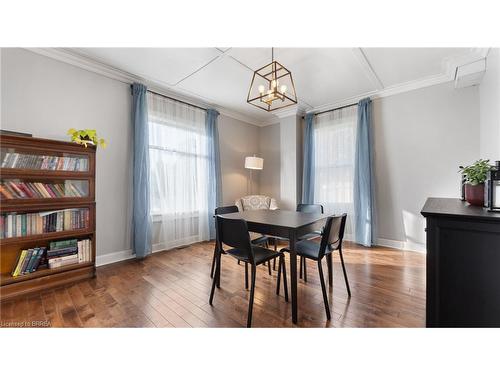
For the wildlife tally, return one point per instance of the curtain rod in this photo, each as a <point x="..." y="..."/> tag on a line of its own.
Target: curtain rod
<point x="174" y="99"/>
<point x="334" y="109"/>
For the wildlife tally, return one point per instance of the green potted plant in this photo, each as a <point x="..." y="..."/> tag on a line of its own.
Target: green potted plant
<point x="475" y="175"/>
<point x="86" y="137"/>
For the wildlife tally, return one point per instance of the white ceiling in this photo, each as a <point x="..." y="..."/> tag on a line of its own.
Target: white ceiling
<point x="323" y="77"/>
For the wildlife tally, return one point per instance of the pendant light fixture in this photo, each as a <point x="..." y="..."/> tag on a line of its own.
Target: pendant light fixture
<point x="272" y="87"/>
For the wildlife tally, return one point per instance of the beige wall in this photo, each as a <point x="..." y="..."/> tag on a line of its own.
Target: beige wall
<point x="269" y="141"/>
<point x="237" y="140"/>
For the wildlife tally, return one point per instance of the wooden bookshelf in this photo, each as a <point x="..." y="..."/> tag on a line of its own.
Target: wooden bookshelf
<point x="67" y="172"/>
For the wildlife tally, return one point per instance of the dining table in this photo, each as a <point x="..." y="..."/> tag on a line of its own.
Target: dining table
<point x="290" y="225"/>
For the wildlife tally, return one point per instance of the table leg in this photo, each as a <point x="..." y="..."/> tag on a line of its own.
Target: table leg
<point x="293" y="275"/>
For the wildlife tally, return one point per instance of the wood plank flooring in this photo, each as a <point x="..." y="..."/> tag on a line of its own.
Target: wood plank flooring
<point x="171" y="289"/>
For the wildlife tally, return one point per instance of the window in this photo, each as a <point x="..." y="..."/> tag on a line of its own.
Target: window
<point x="178" y="150"/>
<point x="334" y="151"/>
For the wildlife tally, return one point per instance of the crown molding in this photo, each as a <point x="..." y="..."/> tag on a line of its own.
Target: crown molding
<point x="92" y="65"/>
<point x="388" y="91"/>
<point x="87" y="63"/>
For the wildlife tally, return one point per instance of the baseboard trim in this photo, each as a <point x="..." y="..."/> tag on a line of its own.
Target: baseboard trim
<point x="402" y="245"/>
<point x="119" y="256"/>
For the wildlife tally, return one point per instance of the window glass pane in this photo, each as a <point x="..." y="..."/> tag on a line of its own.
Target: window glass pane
<point x="334" y="151"/>
<point x="178" y="172"/>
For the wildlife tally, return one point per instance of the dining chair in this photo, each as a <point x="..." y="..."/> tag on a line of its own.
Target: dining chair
<point x="313" y="209"/>
<point x="331" y="240"/>
<point x="234" y="233"/>
<point x="256" y="241"/>
<point x="306" y="208"/>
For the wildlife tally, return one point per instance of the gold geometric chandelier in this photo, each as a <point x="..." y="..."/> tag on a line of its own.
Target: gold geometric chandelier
<point x="272" y="87"/>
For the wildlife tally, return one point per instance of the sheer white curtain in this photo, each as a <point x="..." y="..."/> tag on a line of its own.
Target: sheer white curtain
<point x="334" y="149"/>
<point x="179" y="172"/>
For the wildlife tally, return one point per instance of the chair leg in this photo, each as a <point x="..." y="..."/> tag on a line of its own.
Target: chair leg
<point x="305" y="269"/>
<point x="212" y="269"/>
<point x="246" y="275"/>
<point x="269" y="267"/>
<point x="219" y="266"/>
<point x="285" y="285"/>
<point x="238" y="263"/>
<point x="215" y="278"/>
<point x="250" y="302"/>
<point x="329" y="264"/>
<point x="323" y="289"/>
<point x="301" y="264"/>
<point x="345" y="273"/>
<point x="279" y="278"/>
<point x="275" y="249"/>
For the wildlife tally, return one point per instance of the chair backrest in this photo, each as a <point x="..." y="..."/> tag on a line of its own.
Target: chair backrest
<point x="310" y="208"/>
<point x="256" y="202"/>
<point x="333" y="233"/>
<point x="234" y="233"/>
<point x="226" y="210"/>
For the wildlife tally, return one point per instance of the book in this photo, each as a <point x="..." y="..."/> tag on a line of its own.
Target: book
<point x="39" y="256"/>
<point x="20" y="260"/>
<point x="63" y="261"/>
<point x="63" y="244"/>
<point x="32" y="260"/>
<point x="26" y="261"/>
<point x="62" y="252"/>
<point x="80" y="251"/>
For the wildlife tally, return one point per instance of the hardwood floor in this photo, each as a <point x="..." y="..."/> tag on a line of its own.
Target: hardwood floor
<point x="171" y="289"/>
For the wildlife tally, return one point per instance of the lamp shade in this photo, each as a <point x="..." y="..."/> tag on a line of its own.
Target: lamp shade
<point x="253" y="162"/>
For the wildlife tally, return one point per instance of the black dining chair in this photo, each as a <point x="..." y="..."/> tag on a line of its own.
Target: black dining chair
<point x="306" y="208"/>
<point x="234" y="233"/>
<point x="313" y="209"/>
<point x="331" y="240"/>
<point x="256" y="241"/>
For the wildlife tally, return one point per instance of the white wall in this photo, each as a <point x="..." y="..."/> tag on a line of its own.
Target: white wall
<point x="489" y="94"/>
<point x="237" y="139"/>
<point x="420" y="139"/>
<point x="46" y="97"/>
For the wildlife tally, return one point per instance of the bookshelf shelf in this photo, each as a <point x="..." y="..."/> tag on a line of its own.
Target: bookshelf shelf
<point x="7" y="278"/>
<point x="47" y="194"/>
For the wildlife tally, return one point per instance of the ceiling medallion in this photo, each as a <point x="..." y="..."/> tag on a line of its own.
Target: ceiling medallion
<point x="272" y="87"/>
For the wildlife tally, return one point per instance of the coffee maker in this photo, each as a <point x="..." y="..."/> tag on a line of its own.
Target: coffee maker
<point x="492" y="188"/>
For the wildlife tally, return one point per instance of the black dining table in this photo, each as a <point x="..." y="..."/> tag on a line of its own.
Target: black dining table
<point x="286" y="224"/>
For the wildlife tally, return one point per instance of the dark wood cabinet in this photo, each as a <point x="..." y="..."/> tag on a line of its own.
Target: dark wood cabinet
<point x="67" y="170"/>
<point x="463" y="264"/>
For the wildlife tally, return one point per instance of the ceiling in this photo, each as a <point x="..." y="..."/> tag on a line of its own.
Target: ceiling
<point x="324" y="77"/>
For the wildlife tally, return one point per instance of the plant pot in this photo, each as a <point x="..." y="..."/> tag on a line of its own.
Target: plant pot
<point x="474" y="194"/>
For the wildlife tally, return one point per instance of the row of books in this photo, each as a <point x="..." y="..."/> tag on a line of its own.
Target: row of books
<point x="59" y="254"/>
<point x="67" y="252"/>
<point x="15" y="189"/>
<point x="45" y="162"/>
<point x="29" y="260"/>
<point x="29" y="224"/>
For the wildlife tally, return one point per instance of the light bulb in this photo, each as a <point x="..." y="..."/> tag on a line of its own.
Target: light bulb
<point x="283" y="89"/>
<point x="262" y="89"/>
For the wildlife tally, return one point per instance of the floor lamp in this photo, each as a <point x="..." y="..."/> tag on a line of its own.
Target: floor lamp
<point x="251" y="163"/>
